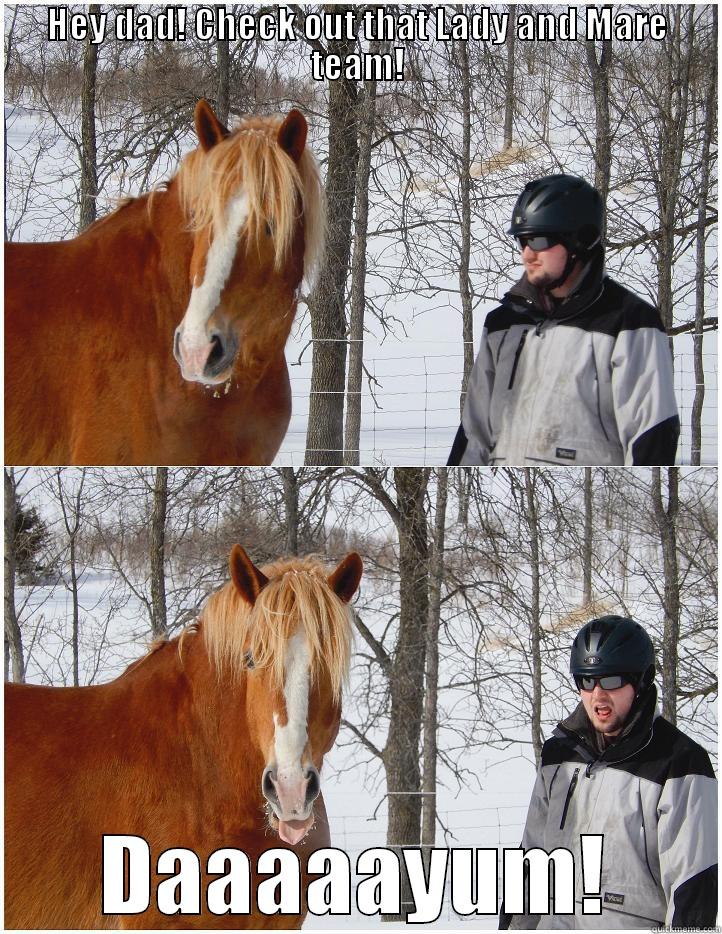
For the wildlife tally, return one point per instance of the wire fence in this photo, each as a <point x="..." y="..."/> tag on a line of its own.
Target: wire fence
<point x="410" y="402"/>
<point x="496" y="826"/>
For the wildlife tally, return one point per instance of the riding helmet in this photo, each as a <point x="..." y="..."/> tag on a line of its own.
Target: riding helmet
<point x="560" y="204"/>
<point x="612" y="645"/>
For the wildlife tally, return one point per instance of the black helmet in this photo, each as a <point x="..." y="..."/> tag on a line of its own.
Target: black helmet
<point x="560" y="204"/>
<point x="612" y="645"/>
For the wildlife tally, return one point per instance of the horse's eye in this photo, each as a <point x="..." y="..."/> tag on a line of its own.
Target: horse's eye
<point x="248" y="659"/>
<point x="269" y="231"/>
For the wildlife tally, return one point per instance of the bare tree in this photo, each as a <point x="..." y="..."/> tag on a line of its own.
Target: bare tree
<point x="14" y="658"/>
<point x="223" y="72"/>
<point x="666" y="520"/>
<point x="509" y="84"/>
<point x="88" y="156"/>
<point x="588" y="535"/>
<point x="367" y="120"/>
<point x="158" y="617"/>
<point x="324" y="437"/>
<point x="430" y="750"/>
<point x="71" y="507"/>
<point x="599" y="68"/>
<point x="710" y="110"/>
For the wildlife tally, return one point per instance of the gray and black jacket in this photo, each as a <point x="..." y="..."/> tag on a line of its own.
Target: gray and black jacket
<point x="589" y="383"/>
<point x="653" y="795"/>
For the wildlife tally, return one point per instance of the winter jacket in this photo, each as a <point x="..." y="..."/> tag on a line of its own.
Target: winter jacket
<point x="588" y="383"/>
<point x="653" y="795"/>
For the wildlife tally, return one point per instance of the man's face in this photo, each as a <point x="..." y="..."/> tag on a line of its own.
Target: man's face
<point x="544" y="266"/>
<point x="608" y="710"/>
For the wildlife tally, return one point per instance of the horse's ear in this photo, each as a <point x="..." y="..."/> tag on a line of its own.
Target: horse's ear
<point x="209" y="128"/>
<point x="292" y="134"/>
<point x="345" y="579"/>
<point x="246" y="577"/>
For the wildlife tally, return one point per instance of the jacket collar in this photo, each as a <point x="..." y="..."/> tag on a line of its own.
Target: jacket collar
<point x="635" y="734"/>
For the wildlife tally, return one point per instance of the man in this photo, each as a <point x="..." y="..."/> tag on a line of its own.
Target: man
<point x="573" y="368"/>
<point x="616" y="767"/>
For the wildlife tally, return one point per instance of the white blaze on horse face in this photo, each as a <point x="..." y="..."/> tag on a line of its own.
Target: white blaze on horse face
<point x="290" y="740"/>
<point x="194" y="340"/>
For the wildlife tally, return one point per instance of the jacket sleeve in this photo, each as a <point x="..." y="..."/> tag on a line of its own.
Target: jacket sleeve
<point x="472" y="445"/>
<point x="533" y="836"/>
<point x="687" y="837"/>
<point x="643" y="391"/>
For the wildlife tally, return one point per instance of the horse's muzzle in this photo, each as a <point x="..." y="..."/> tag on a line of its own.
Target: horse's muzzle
<point x="205" y="360"/>
<point x="291" y="798"/>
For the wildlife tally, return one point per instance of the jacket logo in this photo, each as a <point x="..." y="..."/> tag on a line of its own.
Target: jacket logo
<point x="612" y="898"/>
<point x="567" y="454"/>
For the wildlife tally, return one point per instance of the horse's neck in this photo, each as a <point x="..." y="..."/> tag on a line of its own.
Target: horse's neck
<point x="208" y="720"/>
<point x="169" y="226"/>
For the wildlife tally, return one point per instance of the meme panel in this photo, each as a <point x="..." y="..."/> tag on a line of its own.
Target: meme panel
<point x="335" y="235"/>
<point x="274" y="698"/>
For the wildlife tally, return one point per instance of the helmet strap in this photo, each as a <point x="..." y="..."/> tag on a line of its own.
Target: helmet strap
<point x="572" y="258"/>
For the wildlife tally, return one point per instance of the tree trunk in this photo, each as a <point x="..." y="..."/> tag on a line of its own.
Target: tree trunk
<point x="599" y="72"/>
<point x="158" y="619"/>
<point x="324" y="437"/>
<point x="9" y="40"/>
<point x="666" y="520"/>
<point x="436" y="574"/>
<point x="88" y="157"/>
<point x="367" y="119"/>
<point x="588" y="536"/>
<point x="465" y="198"/>
<point x="401" y="754"/>
<point x="290" y="501"/>
<point x="710" y="123"/>
<point x="535" y="614"/>
<point x="14" y="659"/>
<point x="223" y="76"/>
<point x="463" y="494"/>
<point x="677" y="64"/>
<point x="509" y="95"/>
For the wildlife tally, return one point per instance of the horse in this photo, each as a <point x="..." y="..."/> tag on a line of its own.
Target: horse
<point x="213" y="739"/>
<point x="157" y="335"/>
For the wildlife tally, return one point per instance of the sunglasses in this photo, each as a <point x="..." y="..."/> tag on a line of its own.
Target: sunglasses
<point x="606" y="682"/>
<point x="538" y="243"/>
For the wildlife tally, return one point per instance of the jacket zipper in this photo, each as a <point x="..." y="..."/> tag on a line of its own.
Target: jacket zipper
<point x="570" y="792"/>
<point x="516" y="359"/>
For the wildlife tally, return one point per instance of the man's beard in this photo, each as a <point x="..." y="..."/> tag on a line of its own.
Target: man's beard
<point x="541" y="279"/>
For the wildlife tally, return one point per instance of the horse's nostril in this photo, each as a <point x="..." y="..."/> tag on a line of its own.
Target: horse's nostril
<point x="268" y="786"/>
<point x="314" y="785"/>
<point x="176" y="344"/>
<point x="217" y="350"/>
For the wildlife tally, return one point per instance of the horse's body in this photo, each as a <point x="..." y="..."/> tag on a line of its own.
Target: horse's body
<point x="91" y="323"/>
<point x="177" y="750"/>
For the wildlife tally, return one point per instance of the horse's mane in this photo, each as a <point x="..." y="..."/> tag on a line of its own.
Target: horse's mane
<point x="297" y="597"/>
<point x="273" y="183"/>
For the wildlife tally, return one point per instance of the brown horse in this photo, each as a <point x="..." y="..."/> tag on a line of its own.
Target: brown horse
<point x="213" y="739"/>
<point x="206" y="270"/>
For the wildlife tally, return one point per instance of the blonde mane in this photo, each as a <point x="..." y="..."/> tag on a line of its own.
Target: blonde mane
<point x="273" y="183"/>
<point x="297" y="598"/>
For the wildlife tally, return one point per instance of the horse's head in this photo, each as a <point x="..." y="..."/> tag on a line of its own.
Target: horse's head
<point x="254" y="205"/>
<point x="296" y="649"/>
